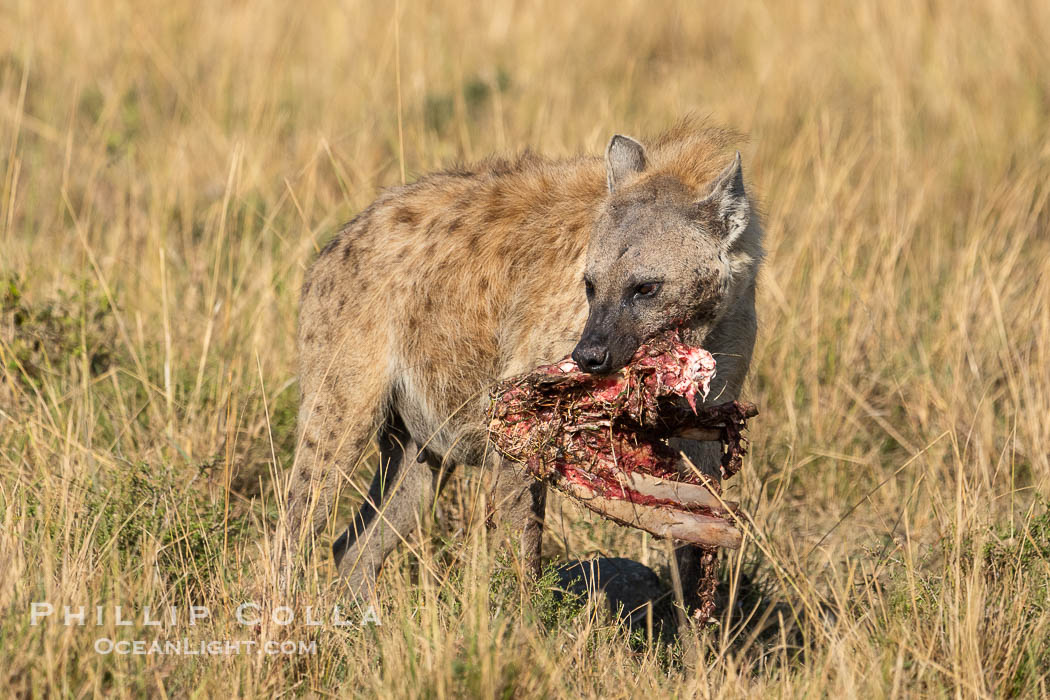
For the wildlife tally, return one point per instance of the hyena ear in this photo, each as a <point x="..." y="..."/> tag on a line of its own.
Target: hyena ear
<point x="624" y="157"/>
<point x="727" y="202"/>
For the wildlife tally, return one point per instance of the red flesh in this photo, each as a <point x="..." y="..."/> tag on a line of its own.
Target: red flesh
<point x="561" y="422"/>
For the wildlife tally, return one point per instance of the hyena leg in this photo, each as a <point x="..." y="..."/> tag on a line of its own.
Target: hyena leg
<point x="706" y="456"/>
<point x="517" y="504"/>
<point x="732" y="342"/>
<point x="400" y="497"/>
<point x="332" y="441"/>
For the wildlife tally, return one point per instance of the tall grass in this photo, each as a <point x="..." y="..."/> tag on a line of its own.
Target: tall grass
<point x="169" y="169"/>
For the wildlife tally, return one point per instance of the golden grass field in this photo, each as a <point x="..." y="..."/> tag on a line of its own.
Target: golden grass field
<point x="169" y="169"/>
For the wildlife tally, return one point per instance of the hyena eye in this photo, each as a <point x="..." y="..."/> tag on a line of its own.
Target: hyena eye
<point x="646" y="289"/>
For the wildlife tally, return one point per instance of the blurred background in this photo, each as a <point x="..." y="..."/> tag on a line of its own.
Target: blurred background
<point x="168" y="171"/>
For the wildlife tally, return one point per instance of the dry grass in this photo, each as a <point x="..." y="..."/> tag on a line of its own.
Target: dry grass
<point x="168" y="169"/>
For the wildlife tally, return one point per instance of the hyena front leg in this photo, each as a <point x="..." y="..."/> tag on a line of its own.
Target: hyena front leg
<point x="731" y="342"/>
<point x="399" y="499"/>
<point x="517" y="504"/>
<point x="690" y="558"/>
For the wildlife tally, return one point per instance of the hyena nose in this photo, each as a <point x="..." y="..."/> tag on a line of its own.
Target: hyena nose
<point x="592" y="359"/>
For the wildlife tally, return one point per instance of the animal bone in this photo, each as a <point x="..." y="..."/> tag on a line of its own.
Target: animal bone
<point x="601" y="439"/>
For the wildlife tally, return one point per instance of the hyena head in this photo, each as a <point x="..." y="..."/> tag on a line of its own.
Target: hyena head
<point x="660" y="256"/>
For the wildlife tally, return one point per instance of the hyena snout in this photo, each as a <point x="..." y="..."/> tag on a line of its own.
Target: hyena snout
<point x="603" y="349"/>
<point x="592" y="357"/>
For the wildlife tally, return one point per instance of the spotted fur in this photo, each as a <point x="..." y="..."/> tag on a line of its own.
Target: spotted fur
<point x="445" y="285"/>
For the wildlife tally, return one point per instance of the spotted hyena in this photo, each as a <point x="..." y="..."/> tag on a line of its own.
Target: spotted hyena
<point x="443" y="286"/>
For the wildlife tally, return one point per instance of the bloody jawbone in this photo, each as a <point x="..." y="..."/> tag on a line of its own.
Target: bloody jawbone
<point x="602" y="439"/>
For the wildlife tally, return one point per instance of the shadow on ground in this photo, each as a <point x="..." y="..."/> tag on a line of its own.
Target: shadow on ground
<point x="645" y="603"/>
